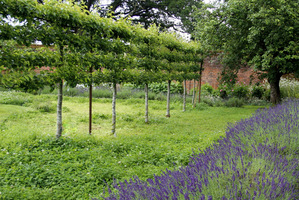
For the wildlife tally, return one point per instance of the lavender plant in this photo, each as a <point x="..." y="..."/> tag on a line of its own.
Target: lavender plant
<point x="258" y="159"/>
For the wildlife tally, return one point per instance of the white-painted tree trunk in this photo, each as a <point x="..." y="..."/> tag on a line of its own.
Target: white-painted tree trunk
<point x="146" y="102"/>
<point x="113" y="110"/>
<point x="168" y="100"/>
<point x="184" y="96"/>
<point x="59" y="110"/>
<point x="59" y="98"/>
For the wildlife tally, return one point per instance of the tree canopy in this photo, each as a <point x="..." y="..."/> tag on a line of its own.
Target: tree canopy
<point x="165" y="13"/>
<point x="262" y="34"/>
<point x="82" y="47"/>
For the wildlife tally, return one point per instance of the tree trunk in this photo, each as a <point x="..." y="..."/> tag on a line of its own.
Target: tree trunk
<point x="189" y="87"/>
<point x="199" y="82"/>
<point x="59" y="98"/>
<point x="113" y="110"/>
<point x="168" y="99"/>
<point x="275" y="97"/>
<point x="59" y="110"/>
<point x="194" y="93"/>
<point x="184" y="96"/>
<point x="90" y="102"/>
<point x="199" y="89"/>
<point x="146" y="103"/>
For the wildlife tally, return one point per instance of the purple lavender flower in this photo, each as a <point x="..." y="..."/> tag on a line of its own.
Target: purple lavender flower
<point x="260" y="154"/>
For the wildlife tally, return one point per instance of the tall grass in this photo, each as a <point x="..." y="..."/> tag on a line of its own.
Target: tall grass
<point x="289" y="88"/>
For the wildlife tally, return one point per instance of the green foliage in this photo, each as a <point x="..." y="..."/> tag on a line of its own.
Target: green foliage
<point x="234" y="102"/>
<point x="15" y="98"/>
<point x="206" y="88"/>
<point x="289" y="88"/>
<point x="212" y="100"/>
<point x="71" y="92"/>
<point x="225" y="89"/>
<point x="258" y="102"/>
<point x="202" y="106"/>
<point x="175" y="87"/>
<point x="266" y="95"/>
<point x="228" y="89"/>
<point x="258" y="91"/>
<point x="44" y="106"/>
<point x="240" y="90"/>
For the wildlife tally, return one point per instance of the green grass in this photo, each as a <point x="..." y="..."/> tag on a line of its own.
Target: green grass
<point x="36" y="166"/>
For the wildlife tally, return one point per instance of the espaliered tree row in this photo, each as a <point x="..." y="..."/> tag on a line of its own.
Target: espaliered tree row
<point x="82" y="47"/>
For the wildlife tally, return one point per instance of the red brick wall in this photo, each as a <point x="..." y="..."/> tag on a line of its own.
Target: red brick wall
<point x="212" y="70"/>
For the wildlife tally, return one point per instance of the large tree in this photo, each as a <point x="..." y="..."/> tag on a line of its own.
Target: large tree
<point x="160" y="12"/>
<point x="262" y="34"/>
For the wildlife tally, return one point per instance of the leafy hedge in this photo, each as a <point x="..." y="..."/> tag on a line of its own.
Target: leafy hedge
<point x="258" y="159"/>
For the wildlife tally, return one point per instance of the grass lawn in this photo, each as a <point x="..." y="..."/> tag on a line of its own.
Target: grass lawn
<point x="36" y="166"/>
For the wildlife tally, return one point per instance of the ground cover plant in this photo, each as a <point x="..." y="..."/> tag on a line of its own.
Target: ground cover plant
<point x="258" y="159"/>
<point x="34" y="165"/>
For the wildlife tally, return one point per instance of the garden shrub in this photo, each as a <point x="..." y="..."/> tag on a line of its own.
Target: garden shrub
<point x="228" y="89"/>
<point x="176" y="98"/>
<point x="223" y="93"/>
<point x="225" y="89"/>
<point x="257" y="91"/>
<point x="240" y="90"/>
<point x="207" y="101"/>
<point x="160" y="97"/>
<point x="124" y="94"/>
<point x="258" y="159"/>
<point x="46" y="90"/>
<point x="266" y="95"/>
<point x="16" y="98"/>
<point x="138" y="94"/>
<point x="44" y="106"/>
<point x="207" y="88"/>
<point x="234" y="102"/>
<point x="151" y="95"/>
<point x="254" y="101"/>
<point x="102" y="93"/>
<point x="219" y="104"/>
<point x="175" y="87"/>
<point x="211" y="100"/>
<point x="3" y="89"/>
<point x="67" y="91"/>
<point x="202" y="106"/>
